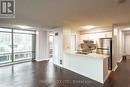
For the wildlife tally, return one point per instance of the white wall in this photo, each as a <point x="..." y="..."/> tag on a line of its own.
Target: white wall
<point x="63" y="42"/>
<point x="42" y="45"/>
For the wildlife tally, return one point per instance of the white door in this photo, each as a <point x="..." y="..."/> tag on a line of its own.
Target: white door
<point x="127" y="43"/>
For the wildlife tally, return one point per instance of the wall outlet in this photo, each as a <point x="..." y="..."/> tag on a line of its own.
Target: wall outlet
<point x="60" y="61"/>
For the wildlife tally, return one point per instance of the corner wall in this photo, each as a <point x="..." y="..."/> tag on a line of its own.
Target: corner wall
<point x="58" y="46"/>
<point x="71" y="39"/>
<point x="118" y="45"/>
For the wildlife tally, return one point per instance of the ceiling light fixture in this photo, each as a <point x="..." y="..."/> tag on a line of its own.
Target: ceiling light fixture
<point x="23" y="26"/>
<point x="88" y="27"/>
<point x="128" y="28"/>
<point x="125" y="29"/>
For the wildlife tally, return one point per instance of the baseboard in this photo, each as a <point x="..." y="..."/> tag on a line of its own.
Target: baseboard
<point x="114" y="69"/>
<point x="38" y="60"/>
<point x="59" y="65"/>
<point x="109" y="72"/>
<point x="120" y="61"/>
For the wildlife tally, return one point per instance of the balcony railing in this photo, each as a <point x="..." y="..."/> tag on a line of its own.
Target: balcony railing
<point x="7" y="57"/>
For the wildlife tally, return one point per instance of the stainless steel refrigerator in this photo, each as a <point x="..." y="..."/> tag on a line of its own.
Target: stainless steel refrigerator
<point x="104" y="46"/>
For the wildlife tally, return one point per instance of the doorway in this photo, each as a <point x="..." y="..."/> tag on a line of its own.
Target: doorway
<point x="16" y="45"/>
<point x="127" y="42"/>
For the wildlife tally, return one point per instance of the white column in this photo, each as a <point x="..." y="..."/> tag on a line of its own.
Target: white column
<point x="42" y="45"/>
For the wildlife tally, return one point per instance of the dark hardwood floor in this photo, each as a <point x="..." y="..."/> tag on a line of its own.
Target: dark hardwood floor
<point x="121" y="77"/>
<point x="45" y="74"/>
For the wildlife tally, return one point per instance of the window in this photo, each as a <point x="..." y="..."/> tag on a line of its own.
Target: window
<point x="19" y="43"/>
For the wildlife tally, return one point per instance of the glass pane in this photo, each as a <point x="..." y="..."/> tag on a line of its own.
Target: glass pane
<point x="23" y="47"/>
<point x="5" y="47"/>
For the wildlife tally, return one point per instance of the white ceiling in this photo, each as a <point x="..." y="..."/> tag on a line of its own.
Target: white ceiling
<point x="74" y="13"/>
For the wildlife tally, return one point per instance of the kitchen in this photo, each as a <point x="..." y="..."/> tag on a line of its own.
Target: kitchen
<point x="87" y="52"/>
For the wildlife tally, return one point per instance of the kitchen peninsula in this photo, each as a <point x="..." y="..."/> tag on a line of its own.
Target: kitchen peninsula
<point x="92" y="65"/>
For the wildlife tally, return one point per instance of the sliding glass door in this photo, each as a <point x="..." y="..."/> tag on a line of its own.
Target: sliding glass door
<point x="16" y="45"/>
<point x="23" y="45"/>
<point x="5" y="45"/>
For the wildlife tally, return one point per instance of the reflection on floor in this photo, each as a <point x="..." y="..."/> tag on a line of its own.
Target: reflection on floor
<point x="45" y="74"/>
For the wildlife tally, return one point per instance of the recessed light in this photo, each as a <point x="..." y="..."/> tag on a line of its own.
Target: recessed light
<point x="88" y="27"/>
<point x="125" y="29"/>
<point x="128" y="28"/>
<point x="23" y="26"/>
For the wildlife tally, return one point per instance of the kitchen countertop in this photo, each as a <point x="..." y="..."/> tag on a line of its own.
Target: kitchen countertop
<point x="91" y="55"/>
